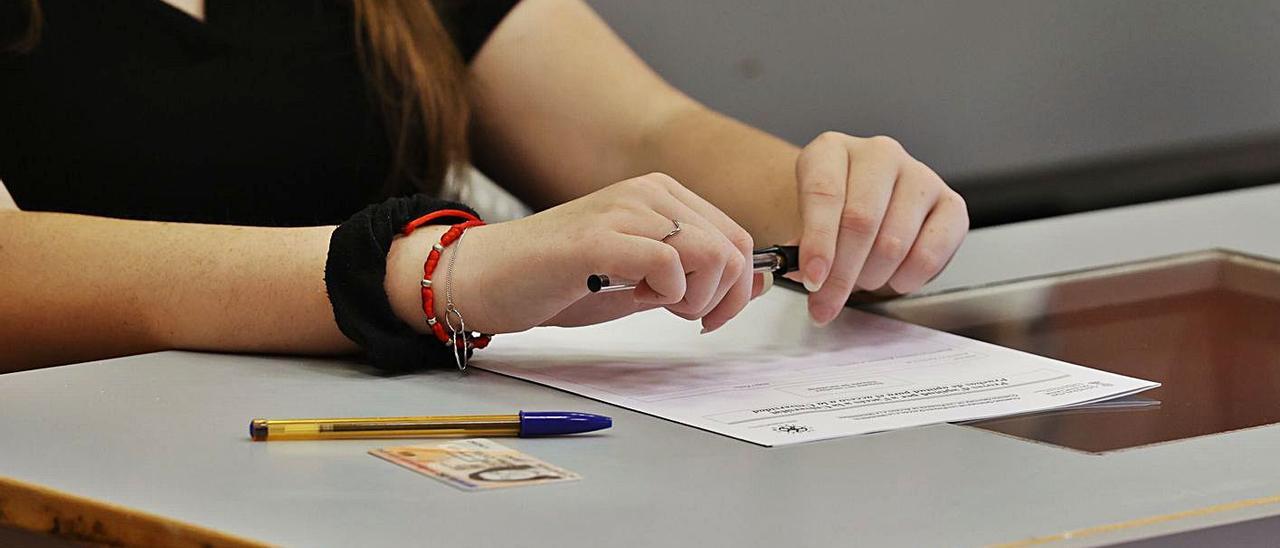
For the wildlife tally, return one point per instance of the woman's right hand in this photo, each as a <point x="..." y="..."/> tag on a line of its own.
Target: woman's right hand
<point x="520" y="274"/>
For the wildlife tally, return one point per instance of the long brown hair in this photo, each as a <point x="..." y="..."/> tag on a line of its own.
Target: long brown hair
<point x="416" y="76"/>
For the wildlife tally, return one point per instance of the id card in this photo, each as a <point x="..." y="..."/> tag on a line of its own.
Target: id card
<point x="475" y="464"/>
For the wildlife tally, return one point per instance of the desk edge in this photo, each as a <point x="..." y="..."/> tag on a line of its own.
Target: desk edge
<point x="41" y="509"/>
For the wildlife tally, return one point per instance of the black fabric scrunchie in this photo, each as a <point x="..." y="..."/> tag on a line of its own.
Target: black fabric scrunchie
<point x="354" y="275"/>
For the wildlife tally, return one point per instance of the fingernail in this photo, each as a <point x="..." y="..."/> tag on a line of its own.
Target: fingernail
<point x="822" y="316"/>
<point x="814" y="274"/>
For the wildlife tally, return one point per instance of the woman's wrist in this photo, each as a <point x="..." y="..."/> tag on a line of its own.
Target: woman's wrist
<point x="458" y="279"/>
<point x="405" y="269"/>
<point x="404" y="275"/>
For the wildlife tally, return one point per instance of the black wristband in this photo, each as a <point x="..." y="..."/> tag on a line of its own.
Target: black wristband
<point x="354" y="275"/>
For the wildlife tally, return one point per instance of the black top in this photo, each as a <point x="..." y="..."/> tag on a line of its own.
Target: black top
<point x="258" y="116"/>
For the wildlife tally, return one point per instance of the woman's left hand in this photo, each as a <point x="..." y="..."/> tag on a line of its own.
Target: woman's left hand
<point x="873" y="216"/>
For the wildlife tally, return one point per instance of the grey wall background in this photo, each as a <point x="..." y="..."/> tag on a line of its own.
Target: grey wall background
<point x="975" y="87"/>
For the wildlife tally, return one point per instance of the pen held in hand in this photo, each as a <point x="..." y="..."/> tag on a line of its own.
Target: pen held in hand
<point x="779" y="259"/>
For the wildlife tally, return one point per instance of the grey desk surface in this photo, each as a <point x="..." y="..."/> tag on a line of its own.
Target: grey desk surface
<point x="166" y="433"/>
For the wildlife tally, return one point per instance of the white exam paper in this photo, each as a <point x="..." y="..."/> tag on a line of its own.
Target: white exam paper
<point x="775" y="382"/>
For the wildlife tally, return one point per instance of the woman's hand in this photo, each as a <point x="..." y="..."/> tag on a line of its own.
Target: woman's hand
<point x="516" y="275"/>
<point x="873" y="217"/>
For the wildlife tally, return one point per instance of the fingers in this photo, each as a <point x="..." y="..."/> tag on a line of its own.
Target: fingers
<point x="872" y="175"/>
<point x="822" y="175"/>
<point x="656" y="267"/>
<point x="734" y="282"/>
<point x="914" y="195"/>
<point x="761" y="283"/>
<point x="939" y="238"/>
<point x="733" y="300"/>
<point x="703" y="254"/>
<point x="873" y="216"/>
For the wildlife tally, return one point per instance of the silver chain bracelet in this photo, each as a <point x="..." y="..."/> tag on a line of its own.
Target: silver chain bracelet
<point x="459" y="337"/>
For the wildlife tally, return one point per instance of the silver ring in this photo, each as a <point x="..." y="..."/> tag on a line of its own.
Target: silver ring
<point x="674" y="230"/>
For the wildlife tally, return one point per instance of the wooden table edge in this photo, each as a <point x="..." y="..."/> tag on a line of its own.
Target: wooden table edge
<point x="41" y="509"/>
<point x="1144" y="522"/>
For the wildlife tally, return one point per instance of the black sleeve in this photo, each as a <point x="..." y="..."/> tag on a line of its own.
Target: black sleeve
<point x="470" y="22"/>
<point x="353" y="276"/>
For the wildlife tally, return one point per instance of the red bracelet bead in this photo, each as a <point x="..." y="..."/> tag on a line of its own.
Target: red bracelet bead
<point x="429" y="267"/>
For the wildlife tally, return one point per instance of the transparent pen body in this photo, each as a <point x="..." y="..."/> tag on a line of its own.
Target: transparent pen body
<point x="603" y="283"/>
<point x="385" y="427"/>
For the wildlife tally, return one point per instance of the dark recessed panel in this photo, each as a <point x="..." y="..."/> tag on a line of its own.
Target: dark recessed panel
<point x="1206" y="325"/>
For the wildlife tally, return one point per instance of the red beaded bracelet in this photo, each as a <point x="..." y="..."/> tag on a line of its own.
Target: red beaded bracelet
<point x="428" y="268"/>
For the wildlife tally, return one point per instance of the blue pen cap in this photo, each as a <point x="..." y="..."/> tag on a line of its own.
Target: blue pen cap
<point x="559" y="423"/>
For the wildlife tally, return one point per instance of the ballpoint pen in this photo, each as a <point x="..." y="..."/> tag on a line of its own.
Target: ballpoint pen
<point x="779" y="259"/>
<point x="525" y="424"/>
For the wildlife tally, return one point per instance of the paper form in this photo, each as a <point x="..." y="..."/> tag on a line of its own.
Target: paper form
<point x="796" y="383"/>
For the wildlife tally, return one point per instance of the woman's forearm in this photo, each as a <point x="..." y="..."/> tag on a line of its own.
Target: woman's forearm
<point x="75" y="288"/>
<point x="563" y="108"/>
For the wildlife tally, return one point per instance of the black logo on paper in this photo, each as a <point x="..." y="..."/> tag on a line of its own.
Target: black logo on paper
<point x="792" y="428"/>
